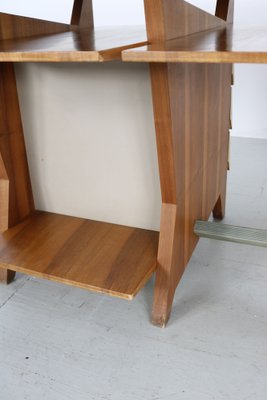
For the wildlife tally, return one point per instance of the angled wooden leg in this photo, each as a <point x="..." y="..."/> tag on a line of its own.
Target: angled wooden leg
<point x="16" y="200"/>
<point x="170" y="265"/>
<point x="219" y="209"/>
<point x="191" y="107"/>
<point x="6" y="275"/>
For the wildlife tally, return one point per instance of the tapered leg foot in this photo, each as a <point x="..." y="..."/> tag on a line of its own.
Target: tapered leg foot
<point x="7" y="276"/>
<point x="161" y="310"/>
<point x="219" y="209"/>
<point x="160" y="322"/>
<point x="171" y="263"/>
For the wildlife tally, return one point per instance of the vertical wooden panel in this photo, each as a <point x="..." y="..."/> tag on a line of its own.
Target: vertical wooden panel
<point x="82" y="14"/>
<point x="225" y="10"/>
<point x="191" y="108"/>
<point x="191" y="121"/>
<point x="15" y="186"/>
<point x="13" y="26"/>
<point x="169" y="19"/>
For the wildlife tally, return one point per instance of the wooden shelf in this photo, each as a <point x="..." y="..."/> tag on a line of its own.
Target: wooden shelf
<point x="86" y="45"/>
<point x="226" y="45"/>
<point x="81" y="45"/>
<point x="102" y="257"/>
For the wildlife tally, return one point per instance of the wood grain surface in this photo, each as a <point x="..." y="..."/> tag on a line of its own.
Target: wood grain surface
<point x="225" y="10"/>
<point x="102" y="257"/>
<point x="162" y="17"/>
<point x="191" y="109"/>
<point x="83" y="45"/>
<point x="24" y="39"/>
<point x="227" y="45"/>
<point x="192" y="126"/>
<point x="14" y="26"/>
<point x="82" y="14"/>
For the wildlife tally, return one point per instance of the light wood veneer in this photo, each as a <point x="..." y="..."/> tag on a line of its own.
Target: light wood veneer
<point x="102" y="257"/>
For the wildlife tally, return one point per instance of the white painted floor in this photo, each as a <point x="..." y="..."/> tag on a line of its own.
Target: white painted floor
<point x="60" y="343"/>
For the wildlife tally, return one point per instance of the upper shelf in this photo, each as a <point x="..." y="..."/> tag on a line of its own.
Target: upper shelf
<point x="81" y="45"/>
<point x="220" y="45"/>
<point x="225" y="45"/>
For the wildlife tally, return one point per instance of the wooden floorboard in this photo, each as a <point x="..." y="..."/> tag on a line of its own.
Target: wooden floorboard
<point x="102" y="257"/>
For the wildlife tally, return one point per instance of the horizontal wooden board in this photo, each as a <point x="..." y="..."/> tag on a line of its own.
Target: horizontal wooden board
<point x="102" y="257"/>
<point x="81" y="45"/>
<point x="226" y="45"/>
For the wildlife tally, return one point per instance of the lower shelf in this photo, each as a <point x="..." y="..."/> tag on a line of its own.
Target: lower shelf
<point x="102" y="257"/>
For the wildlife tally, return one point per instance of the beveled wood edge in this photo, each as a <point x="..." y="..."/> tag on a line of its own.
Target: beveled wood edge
<point x="218" y="57"/>
<point x="68" y="56"/>
<point x="81" y="285"/>
<point x="69" y="282"/>
<point x="51" y="56"/>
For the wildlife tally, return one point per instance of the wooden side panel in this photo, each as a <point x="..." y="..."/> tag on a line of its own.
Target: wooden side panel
<point x="191" y="110"/>
<point x="82" y="14"/>
<point x="13" y="26"/>
<point x="225" y="10"/>
<point x="12" y="148"/>
<point x="191" y="106"/>
<point x="169" y="19"/>
<point x="15" y="187"/>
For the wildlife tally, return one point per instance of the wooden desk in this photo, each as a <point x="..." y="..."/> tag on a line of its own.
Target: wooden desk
<point x="190" y="54"/>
